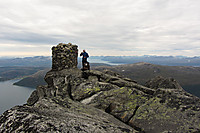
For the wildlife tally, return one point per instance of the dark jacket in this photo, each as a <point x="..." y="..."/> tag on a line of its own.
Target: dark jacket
<point x="85" y="55"/>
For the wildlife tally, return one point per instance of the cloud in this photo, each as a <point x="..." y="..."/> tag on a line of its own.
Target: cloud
<point x="139" y="27"/>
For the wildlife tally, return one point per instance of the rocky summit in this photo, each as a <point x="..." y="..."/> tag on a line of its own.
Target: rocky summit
<point x="94" y="101"/>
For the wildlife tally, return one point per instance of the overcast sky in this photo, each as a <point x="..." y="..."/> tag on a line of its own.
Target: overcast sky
<point x="102" y="27"/>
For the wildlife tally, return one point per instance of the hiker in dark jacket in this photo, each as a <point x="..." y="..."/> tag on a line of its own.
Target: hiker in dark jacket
<point x="85" y="56"/>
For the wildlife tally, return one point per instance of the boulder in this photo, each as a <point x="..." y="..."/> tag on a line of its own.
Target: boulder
<point x="161" y="82"/>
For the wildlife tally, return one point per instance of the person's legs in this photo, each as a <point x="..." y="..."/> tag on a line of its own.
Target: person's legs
<point x="84" y="61"/>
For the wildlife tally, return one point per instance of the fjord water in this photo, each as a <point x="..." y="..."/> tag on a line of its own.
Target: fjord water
<point x="11" y="95"/>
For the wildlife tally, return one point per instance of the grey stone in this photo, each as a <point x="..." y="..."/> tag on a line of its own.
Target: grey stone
<point x="60" y="115"/>
<point x="161" y="82"/>
<point x="64" y="56"/>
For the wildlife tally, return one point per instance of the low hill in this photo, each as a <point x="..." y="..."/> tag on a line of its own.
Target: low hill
<point x="7" y="73"/>
<point x="33" y="80"/>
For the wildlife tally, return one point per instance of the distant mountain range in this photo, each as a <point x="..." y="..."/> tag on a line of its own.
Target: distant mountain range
<point x="159" y="60"/>
<point x="45" y="61"/>
<point x="11" y="68"/>
<point x="36" y="61"/>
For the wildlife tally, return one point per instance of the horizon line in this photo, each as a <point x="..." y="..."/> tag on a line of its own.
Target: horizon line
<point x="104" y="56"/>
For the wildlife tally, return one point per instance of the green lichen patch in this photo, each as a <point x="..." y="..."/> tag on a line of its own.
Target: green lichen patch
<point x="91" y="90"/>
<point x="157" y="115"/>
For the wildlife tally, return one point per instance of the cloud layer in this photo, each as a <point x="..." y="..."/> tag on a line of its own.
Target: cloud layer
<point x="139" y="27"/>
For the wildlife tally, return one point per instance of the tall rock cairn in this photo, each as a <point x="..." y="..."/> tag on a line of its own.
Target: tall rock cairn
<point x="64" y="56"/>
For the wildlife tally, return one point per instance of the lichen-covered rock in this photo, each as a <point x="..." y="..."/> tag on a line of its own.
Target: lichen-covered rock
<point x="120" y="102"/>
<point x="157" y="115"/>
<point x="167" y="109"/>
<point x="161" y="82"/>
<point x="59" y="115"/>
<point x="131" y="102"/>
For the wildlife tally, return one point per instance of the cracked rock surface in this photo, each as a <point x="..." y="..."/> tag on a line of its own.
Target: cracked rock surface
<point x="59" y="115"/>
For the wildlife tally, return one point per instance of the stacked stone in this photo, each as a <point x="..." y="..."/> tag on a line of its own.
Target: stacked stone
<point x="64" y="56"/>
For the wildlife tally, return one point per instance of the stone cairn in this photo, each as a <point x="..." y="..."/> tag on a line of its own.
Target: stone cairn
<point x="64" y="56"/>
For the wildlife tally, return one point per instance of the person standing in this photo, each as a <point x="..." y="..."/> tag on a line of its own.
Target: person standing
<point x="85" y="56"/>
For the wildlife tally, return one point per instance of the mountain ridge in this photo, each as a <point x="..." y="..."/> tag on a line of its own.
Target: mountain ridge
<point x="142" y="72"/>
<point x="187" y="76"/>
<point x="45" y="61"/>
